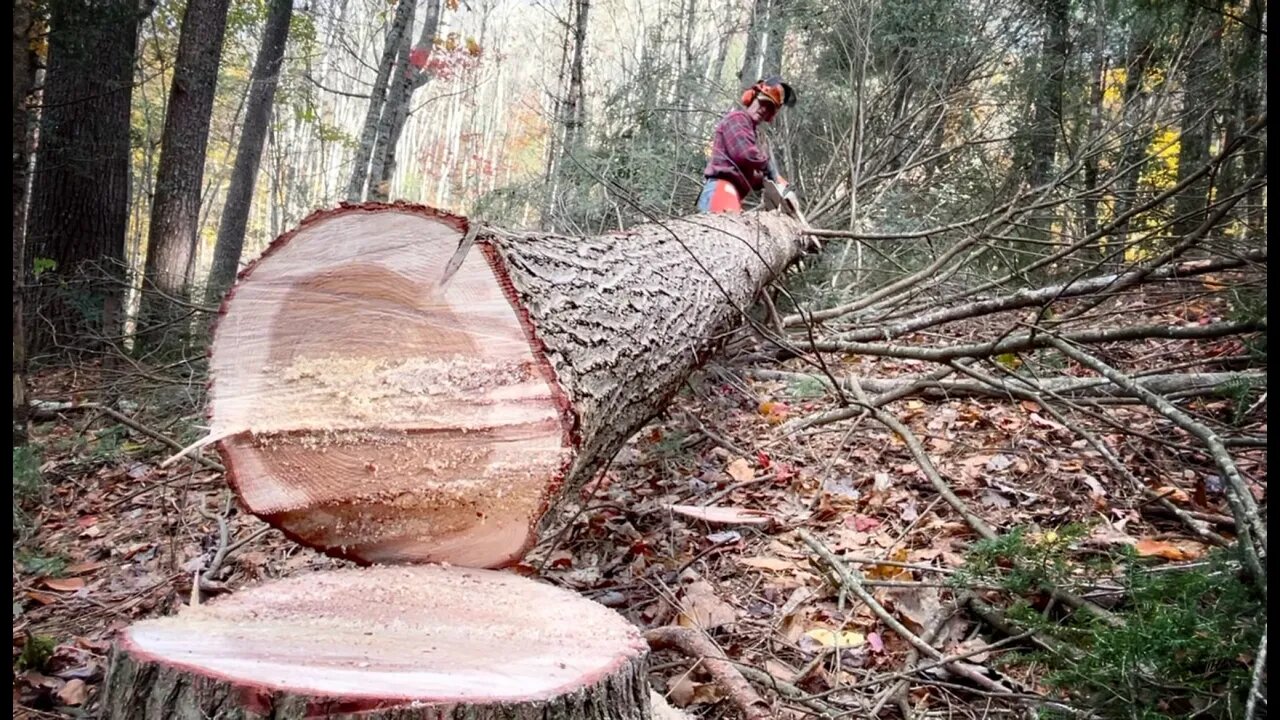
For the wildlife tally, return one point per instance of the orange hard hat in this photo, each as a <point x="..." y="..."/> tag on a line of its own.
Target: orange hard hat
<point x="770" y="90"/>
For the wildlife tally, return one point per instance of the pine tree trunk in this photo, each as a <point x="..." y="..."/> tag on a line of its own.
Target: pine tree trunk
<point x="24" y="75"/>
<point x="175" y="213"/>
<point x="262" y="91"/>
<point x="79" y="212"/>
<point x="400" y="27"/>
<point x="373" y="412"/>
<point x="414" y="643"/>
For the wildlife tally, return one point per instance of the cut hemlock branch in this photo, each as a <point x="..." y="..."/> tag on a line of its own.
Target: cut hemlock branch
<point x="376" y="413"/>
<point x="393" y="642"/>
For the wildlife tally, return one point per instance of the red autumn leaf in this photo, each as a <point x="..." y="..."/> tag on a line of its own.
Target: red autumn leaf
<point x="763" y="459"/>
<point x="418" y="57"/>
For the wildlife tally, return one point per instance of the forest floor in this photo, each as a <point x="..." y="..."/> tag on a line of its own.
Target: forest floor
<point x="114" y="538"/>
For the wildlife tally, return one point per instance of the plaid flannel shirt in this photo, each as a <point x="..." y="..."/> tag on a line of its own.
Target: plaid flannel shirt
<point x="736" y="157"/>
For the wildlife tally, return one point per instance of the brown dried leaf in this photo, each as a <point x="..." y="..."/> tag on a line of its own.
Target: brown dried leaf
<point x="703" y="608"/>
<point x="1174" y="494"/>
<point x="1180" y="551"/>
<point x="75" y="692"/>
<point x="740" y="470"/>
<point x="769" y="563"/>
<point x="63" y="584"/>
<point x="683" y="691"/>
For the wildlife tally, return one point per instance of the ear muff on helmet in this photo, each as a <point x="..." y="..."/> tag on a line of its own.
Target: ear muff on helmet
<point x="779" y="93"/>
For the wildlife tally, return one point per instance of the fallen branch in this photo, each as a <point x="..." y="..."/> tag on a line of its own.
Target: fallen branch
<point x="787" y="690"/>
<point x="700" y="648"/>
<point x="1020" y="343"/>
<point x="1248" y="521"/>
<point x="49" y="406"/>
<point x="1199" y="527"/>
<point x="1255" y="686"/>
<point x="1071" y="387"/>
<point x="852" y="581"/>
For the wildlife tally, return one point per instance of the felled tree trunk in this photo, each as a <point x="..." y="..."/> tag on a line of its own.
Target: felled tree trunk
<point x="421" y="643"/>
<point x="385" y="395"/>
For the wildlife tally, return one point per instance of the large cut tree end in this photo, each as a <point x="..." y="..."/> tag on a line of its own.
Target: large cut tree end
<point x="371" y="410"/>
<point x="411" y="641"/>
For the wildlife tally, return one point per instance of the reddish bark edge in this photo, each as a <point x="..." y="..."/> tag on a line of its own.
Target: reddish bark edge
<point x="569" y="423"/>
<point x="262" y="699"/>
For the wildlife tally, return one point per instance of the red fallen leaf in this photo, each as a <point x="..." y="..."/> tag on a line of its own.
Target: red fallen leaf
<point x="87" y="521"/>
<point x="63" y="584"/>
<point x="785" y="473"/>
<point x="560" y="560"/>
<point x="862" y="523"/>
<point x="763" y="459"/>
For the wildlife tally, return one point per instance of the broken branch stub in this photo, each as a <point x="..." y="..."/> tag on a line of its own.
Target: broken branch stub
<point x="374" y="409"/>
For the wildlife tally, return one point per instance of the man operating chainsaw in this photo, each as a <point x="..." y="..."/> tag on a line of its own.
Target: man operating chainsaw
<point x="738" y="164"/>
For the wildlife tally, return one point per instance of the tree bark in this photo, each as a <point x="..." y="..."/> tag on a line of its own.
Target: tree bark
<point x="409" y="78"/>
<point x="262" y="91"/>
<point x="175" y="213"/>
<point x="399" y="29"/>
<point x="1201" y="97"/>
<point x="79" y="212"/>
<point x="24" y="75"/>
<point x="575" y="104"/>
<point x="756" y="28"/>
<point x="1048" y="109"/>
<point x="370" y="410"/>
<point x="420" y="643"/>
<point x="777" y="39"/>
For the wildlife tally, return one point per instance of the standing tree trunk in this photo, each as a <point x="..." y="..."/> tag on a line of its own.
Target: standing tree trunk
<point x="1137" y="128"/>
<point x="1201" y="98"/>
<point x="410" y="77"/>
<point x="79" y="212"/>
<point x="383" y="398"/>
<point x="175" y="213"/>
<point x="756" y="28"/>
<point x="1042" y="139"/>
<point x="575" y="104"/>
<point x="409" y="643"/>
<point x="24" y="76"/>
<point x="777" y="38"/>
<point x="400" y="26"/>
<point x="262" y="91"/>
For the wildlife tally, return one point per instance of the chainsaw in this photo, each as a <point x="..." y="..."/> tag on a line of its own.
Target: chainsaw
<point x="779" y="195"/>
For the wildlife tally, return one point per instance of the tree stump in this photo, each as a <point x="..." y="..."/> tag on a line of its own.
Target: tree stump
<point x="385" y="391"/>
<point x="402" y="643"/>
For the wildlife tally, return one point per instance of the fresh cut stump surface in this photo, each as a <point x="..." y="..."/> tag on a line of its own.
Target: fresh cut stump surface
<point x="384" y="396"/>
<point x="403" y="643"/>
